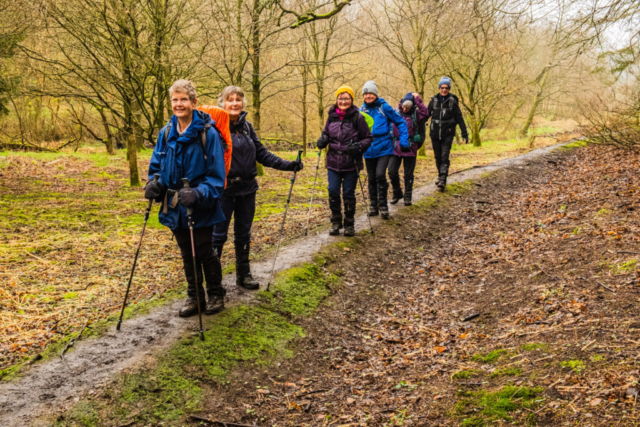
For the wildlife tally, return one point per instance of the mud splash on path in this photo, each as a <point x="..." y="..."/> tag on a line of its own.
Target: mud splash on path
<point x="92" y="362"/>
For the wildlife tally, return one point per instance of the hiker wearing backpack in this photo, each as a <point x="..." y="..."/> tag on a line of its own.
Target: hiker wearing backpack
<point x="415" y="114"/>
<point x="445" y="115"/>
<point x="239" y="198"/>
<point x="190" y="146"/>
<point x="347" y="135"/>
<point x="378" y="155"/>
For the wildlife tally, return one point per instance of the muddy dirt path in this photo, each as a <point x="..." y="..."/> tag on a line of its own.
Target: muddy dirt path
<point x="92" y="362"/>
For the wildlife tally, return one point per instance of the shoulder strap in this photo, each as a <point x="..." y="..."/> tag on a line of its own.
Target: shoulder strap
<point x="165" y="135"/>
<point x="203" y="139"/>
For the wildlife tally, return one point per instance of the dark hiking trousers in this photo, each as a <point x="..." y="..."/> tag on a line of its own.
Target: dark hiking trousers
<point x="242" y="209"/>
<point x="394" y="175"/>
<point x="345" y="181"/>
<point x="377" y="176"/>
<point x="206" y="261"/>
<point x="441" y="151"/>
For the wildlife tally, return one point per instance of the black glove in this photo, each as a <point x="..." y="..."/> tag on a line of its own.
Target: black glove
<point x="188" y="197"/>
<point x="353" y="150"/>
<point x="296" y="166"/>
<point x="153" y="190"/>
<point x="323" y="141"/>
<point x="406" y="149"/>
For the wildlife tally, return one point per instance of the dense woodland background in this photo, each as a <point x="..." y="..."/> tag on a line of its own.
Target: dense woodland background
<point x="73" y="71"/>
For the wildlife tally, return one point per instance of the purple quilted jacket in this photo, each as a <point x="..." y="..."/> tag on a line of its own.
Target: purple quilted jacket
<point x="341" y="134"/>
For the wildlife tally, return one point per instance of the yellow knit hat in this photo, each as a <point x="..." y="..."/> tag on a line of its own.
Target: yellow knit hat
<point x="343" y="89"/>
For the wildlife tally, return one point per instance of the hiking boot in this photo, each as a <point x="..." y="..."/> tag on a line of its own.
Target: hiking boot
<point x="349" y="217"/>
<point x="191" y="307"/>
<point x="397" y="195"/>
<point x="407" y="199"/>
<point x="373" y="211"/>
<point x="248" y="282"/>
<point x="349" y="231"/>
<point x="335" y="229"/>
<point x="384" y="212"/>
<point x="214" y="305"/>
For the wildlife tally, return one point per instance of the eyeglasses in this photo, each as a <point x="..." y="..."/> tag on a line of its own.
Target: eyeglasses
<point x="344" y="99"/>
<point x="444" y="88"/>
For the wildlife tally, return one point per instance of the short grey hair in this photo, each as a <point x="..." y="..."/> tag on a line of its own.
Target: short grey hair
<point x="184" y="86"/>
<point x="408" y="104"/>
<point x="231" y="90"/>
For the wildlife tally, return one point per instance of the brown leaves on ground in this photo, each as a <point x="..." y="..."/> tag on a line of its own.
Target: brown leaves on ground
<point x="526" y="257"/>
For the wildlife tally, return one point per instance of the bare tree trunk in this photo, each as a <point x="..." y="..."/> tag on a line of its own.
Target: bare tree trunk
<point x="256" y="80"/>
<point x="304" y="110"/>
<point x="534" y="106"/>
<point x="132" y="155"/>
<point x="512" y="117"/>
<point x="475" y="125"/>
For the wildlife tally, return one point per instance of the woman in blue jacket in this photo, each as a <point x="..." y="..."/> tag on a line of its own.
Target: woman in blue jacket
<point x="378" y="155"/>
<point x="190" y="146"/>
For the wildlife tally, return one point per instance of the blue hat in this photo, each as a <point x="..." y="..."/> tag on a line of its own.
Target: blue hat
<point x="445" y="81"/>
<point x="409" y="97"/>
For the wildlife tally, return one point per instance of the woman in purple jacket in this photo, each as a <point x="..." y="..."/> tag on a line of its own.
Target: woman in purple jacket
<point x="415" y="113"/>
<point x="347" y="135"/>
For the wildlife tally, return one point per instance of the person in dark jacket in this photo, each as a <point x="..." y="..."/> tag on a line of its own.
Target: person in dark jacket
<point x="239" y="198"/>
<point x="445" y="115"/>
<point x="347" y="135"/>
<point x="183" y="154"/>
<point x="378" y="155"/>
<point x="415" y="114"/>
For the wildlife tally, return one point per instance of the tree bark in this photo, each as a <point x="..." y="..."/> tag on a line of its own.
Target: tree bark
<point x="536" y="101"/>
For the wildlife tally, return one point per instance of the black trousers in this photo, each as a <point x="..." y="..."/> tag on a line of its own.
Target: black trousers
<point x="377" y="176"/>
<point x="441" y="151"/>
<point x="394" y="174"/>
<point x="206" y="261"/>
<point x="242" y="209"/>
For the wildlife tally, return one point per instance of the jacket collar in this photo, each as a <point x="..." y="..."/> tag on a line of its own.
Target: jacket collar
<point x="239" y="125"/>
<point x="352" y="110"/>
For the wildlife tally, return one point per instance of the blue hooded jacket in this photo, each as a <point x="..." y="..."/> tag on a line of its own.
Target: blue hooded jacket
<point x="382" y="130"/>
<point x="182" y="157"/>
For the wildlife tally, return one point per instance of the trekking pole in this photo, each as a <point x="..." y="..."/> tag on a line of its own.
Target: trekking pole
<point x="185" y="184"/>
<point x="135" y="260"/>
<point x="306" y="231"/>
<point x="364" y="199"/>
<point x="284" y="218"/>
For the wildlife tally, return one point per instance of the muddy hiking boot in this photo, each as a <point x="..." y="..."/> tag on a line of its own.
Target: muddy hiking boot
<point x="442" y="178"/>
<point x="407" y="198"/>
<point x="373" y="210"/>
<point x="349" y="217"/>
<point x="191" y="306"/>
<point x="244" y="278"/>
<point x="335" y="204"/>
<point x="214" y="305"/>
<point x="397" y="196"/>
<point x="384" y="212"/>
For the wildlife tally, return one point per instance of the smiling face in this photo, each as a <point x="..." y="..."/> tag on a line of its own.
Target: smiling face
<point x="233" y="106"/>
<point x="344" y="101"/>
<point x="369" y="98"/>
<point x="444" y="90"/>
<point x="182" y="106"/>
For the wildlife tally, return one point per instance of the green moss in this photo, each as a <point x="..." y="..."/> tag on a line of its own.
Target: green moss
<point x="70" y="295"/>
<point x="598" y="358"/>
<point x="83" y="414"/>
<point x="298" y="291"/>
<point x="574" y="145"/>
<point x="535" y="346"/>
<point x="229" y="268"/>
<point x="575" y="365"/>
<point x="506" y="372"/>
<point x="11" y="372"/>
<point x="490" y="357"/>
<point x="499" y="405"/>
<point x="466" y="374"/>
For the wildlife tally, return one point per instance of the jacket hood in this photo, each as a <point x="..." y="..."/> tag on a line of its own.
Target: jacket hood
<point x="239" y="124"/>
<point x="408" y="97"/>
<point x="190" y="135"/>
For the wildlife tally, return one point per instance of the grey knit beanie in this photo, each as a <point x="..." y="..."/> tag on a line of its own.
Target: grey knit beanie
<point x="370" y="87"/>
<point x="445" y="81"/>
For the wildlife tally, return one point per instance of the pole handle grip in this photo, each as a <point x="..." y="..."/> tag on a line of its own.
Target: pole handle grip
<point x="299" y="156"/>
<point x="185" y="182"/>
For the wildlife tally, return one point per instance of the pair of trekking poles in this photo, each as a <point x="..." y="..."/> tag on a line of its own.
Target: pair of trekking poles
<point x="185" y="183"/>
